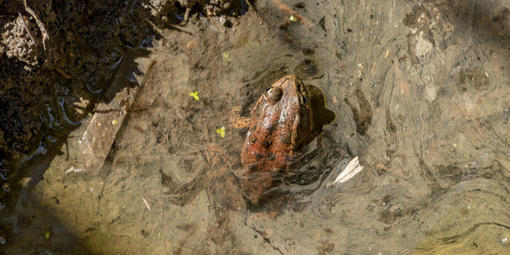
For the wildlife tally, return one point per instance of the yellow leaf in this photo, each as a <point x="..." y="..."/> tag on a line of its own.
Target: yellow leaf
<point x="221" y="131"/>
<point x="194" y="95"/>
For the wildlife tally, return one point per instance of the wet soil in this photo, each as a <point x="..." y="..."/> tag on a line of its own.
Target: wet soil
<point x="418" y="90"/>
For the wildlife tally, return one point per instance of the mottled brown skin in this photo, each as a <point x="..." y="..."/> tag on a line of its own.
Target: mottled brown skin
<point x="281" y="126"/>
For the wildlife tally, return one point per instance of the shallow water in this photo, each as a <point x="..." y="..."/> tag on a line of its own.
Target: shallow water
<point x="419" y="93"/>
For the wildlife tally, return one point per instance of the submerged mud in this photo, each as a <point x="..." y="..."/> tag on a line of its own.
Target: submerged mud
<point x="417" y="90"/>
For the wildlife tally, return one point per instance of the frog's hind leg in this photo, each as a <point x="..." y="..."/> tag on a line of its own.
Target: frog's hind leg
<point x="182" y="194"/>
<point x="256" y="185"/>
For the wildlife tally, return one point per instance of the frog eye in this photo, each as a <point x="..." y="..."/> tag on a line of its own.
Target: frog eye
<point x="273" y="95"/>
<point x="303" y="99"/>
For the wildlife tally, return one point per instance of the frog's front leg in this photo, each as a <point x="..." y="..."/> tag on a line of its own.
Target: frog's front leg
<point x="182" y="194"/>
<point x="235" y="119"/>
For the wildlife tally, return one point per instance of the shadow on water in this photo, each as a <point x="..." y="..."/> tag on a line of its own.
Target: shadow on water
<point x="90" y="46"/>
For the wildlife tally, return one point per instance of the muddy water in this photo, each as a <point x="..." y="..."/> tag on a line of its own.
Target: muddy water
<point x="419" y="93"/>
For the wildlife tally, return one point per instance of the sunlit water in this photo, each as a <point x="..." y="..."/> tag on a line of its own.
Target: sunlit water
<point x="417" y="94"/>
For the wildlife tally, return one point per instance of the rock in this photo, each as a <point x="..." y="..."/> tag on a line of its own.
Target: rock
<point x="422" y="47"/>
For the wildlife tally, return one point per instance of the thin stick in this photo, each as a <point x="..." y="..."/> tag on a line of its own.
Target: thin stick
<point x="146" y="204"/>
<point x="39" y="23"/>
<point x="26" y="27"/>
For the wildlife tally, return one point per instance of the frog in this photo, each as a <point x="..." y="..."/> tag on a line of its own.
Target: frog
<point x="280" y="126"/>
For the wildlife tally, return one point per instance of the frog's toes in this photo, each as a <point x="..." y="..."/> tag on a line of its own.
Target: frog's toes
<point x="235" y="119"/>
<point x="182" y="194"/>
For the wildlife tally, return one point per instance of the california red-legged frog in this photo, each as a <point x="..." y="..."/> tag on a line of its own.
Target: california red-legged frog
<point x="280" y="127"/>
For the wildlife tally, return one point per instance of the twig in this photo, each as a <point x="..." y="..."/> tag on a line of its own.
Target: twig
<point x="170" y="25"/>
<point x="39" y="23"/>
<point x="64" y="74"/>
<point x="146" y="204"/>
<point x="26" y="27"/>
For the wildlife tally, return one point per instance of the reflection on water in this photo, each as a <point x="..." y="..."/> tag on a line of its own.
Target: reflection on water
<point x="421" y="101"/>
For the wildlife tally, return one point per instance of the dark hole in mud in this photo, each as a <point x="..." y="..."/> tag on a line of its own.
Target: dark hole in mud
<point x="244" y="7"/>
<point x="308" y="51"/>
<point x="300" y="5"/>
<point x="179" y="11"/>
<point x="228" y="24"/>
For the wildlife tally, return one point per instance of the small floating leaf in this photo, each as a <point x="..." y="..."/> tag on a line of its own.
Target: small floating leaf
<point x="115" y="122"/>
<point x="194" y="95"/>
<point x="221" y="131"/>
<point x="292" y="18"/>
<point x="47" y="235"/>
<point x="226" y="56"/>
